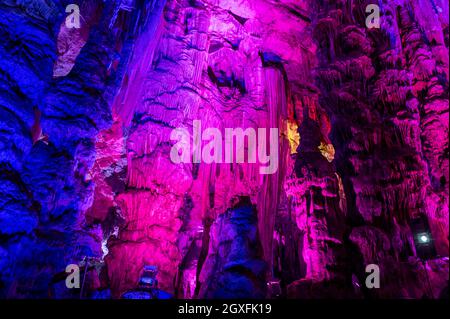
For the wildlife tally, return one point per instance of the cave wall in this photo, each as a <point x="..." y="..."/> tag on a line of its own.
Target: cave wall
<point x="387" y="93"/>
<point x="87" y="116"/>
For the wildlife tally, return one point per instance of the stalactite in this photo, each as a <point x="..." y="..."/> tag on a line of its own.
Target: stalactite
<point x="360" y="117"/>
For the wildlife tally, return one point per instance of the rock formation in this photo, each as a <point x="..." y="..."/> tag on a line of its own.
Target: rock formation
<point x="87" y="116"/>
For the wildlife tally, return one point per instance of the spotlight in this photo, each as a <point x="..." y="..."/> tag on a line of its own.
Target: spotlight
<point x="424" y="238"/>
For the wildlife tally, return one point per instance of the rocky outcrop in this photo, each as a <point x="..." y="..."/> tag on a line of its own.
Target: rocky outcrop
<point x="369" y="79"/>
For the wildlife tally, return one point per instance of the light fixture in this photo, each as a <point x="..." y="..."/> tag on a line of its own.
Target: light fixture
<point x="424" y="238"/>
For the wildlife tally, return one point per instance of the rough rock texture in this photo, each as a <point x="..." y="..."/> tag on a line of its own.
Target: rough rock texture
<point x="234" y="267"/>
<point x="86" y="117"/>
<point x="388" y="101"/>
